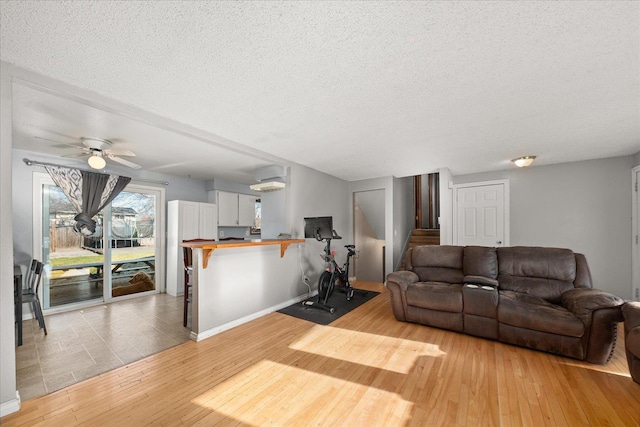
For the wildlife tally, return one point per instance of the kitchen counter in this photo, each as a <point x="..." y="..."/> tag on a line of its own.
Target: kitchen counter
<point x="209" y="247"/>
<point x="235" y="281"/>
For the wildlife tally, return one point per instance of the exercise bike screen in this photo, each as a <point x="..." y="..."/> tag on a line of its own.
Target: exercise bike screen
<point x="318" y="227"/>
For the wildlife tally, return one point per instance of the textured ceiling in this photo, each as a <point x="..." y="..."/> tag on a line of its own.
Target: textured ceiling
<point x="357" y="89"/>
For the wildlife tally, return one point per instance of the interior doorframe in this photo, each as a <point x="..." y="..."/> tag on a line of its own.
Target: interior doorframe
<point x="353" y="267"/>
<point x="507" y="207"/>
<point x="635" y="231"/>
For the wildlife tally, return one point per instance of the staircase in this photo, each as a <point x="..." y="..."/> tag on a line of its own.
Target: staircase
<point x="421" y="237"/>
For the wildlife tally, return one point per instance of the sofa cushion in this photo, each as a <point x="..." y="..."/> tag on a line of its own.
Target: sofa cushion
<point x="530" y="312"/>
<point x="435" y="296"/>
<point x="436" y="263"/>
<point x="542" y="272"/>
<point x="436" y="318"/>
<point x="480" y="261"/>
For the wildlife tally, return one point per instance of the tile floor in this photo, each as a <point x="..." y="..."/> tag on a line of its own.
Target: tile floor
<point x="85" y="343"/>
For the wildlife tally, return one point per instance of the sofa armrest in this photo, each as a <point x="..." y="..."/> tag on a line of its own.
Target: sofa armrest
<point x="631" y="313"/>
<point x="403" y="279"/>
<point x="397" y="283"/>
<point x="481" y="280"/>
<point x="600" y="312"/>
<point x="584" y="301"/>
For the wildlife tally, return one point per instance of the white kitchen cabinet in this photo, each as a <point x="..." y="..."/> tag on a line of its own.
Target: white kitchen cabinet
<point x="236" y="210"/>
<point x="227" y="209"/>
<point x="246" y="210"/>
<point x="186" y="220"/>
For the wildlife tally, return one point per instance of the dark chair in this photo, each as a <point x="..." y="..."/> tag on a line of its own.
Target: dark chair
<point x="631" y="312"/>
<point x="30" y="293"/>
<point x="187" y="254"/>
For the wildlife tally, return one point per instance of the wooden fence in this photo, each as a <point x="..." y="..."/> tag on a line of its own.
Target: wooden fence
<point x="63" y="237"/>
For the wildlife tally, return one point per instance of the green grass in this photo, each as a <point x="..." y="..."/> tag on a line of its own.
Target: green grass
<point x="61" y="262"/>
<point x="75" y="260"/>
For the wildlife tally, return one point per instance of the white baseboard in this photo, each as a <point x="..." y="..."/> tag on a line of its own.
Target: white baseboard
<point x="218" y="329"/>
<point x="10" y="406"/>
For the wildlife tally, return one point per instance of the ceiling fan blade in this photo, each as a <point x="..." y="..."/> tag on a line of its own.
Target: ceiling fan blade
<point x="119" y="153"/>
<point x="79" y="147"/>
<point x="74" y="155"/>
<point x="124" y="162"/>
<point x="62" y="144"/>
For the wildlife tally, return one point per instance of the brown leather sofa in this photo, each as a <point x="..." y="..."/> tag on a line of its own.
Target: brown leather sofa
<point x="631" y="312"/>
<point x="541" y="298"/>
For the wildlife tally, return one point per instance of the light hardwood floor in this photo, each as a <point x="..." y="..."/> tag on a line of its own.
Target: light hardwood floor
<point x="364" y="369"/>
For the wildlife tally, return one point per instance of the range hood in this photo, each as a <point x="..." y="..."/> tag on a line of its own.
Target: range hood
<point x="270" y="178"/>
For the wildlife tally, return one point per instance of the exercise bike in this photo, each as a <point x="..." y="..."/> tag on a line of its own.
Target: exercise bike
<point x="334" y="277"/>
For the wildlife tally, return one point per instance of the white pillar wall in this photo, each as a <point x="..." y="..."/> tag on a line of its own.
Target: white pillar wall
<point x="241" y="284"/>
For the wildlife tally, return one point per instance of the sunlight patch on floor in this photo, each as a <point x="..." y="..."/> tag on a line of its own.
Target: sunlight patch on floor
<point x="598" y="368"/>
<point x="392" y="354"/>
<point x="260" y="395"/>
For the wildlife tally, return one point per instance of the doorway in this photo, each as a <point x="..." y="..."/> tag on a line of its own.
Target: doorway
<point x="427" y="201"/>
<point x="119" y="259"/>
<point x="481" y="214"/>
<point x="369" y="235"/>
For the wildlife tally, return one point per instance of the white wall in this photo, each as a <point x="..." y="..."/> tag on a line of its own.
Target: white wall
<point x="309" y="194"/>
<point x="370" y="202"/>
<point x="584" y="206"/>
<point x="274" y="213"/>
<point x="446" y="207"/>
<point x="224" y="185"/>
<point x="8" y="392"/>
<point x="403" y="216"/>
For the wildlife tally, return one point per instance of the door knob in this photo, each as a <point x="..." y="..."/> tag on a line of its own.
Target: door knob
<point x="499" y="242"/>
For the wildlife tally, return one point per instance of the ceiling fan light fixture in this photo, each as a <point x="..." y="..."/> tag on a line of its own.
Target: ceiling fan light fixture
<point x="96" y="161"/>
<point x="525" y="161"/>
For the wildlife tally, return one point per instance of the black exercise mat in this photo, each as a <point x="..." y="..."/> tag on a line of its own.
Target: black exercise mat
<point x="337" y="301"/>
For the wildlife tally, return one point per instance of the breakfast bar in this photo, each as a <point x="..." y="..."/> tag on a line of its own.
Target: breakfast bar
<point x="237" y="281"/>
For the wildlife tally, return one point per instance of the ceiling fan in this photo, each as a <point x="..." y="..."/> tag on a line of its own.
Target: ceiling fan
<point x="97" y="149"/>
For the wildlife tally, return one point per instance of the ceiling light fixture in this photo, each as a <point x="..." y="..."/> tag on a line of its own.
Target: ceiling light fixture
<point x="96" y="161"/>
<point x="525" y="161"/>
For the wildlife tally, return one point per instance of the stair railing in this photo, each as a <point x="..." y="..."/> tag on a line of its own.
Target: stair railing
<point x="404" y="250"/>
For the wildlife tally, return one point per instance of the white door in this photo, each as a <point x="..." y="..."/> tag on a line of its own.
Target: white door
<point x="481" y="214"/>
<point x="369" y="234"/>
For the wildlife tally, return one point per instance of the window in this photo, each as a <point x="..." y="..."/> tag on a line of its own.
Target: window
<point x="257" y="224"/>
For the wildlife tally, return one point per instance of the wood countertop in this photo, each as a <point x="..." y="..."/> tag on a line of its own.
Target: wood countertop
<point x="210" y="246"/>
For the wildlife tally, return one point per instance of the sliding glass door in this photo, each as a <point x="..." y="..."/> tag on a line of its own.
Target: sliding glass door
<point x="75" y="270"/>
<point x="133" y="241"/>
<point x="120" y="259"/>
